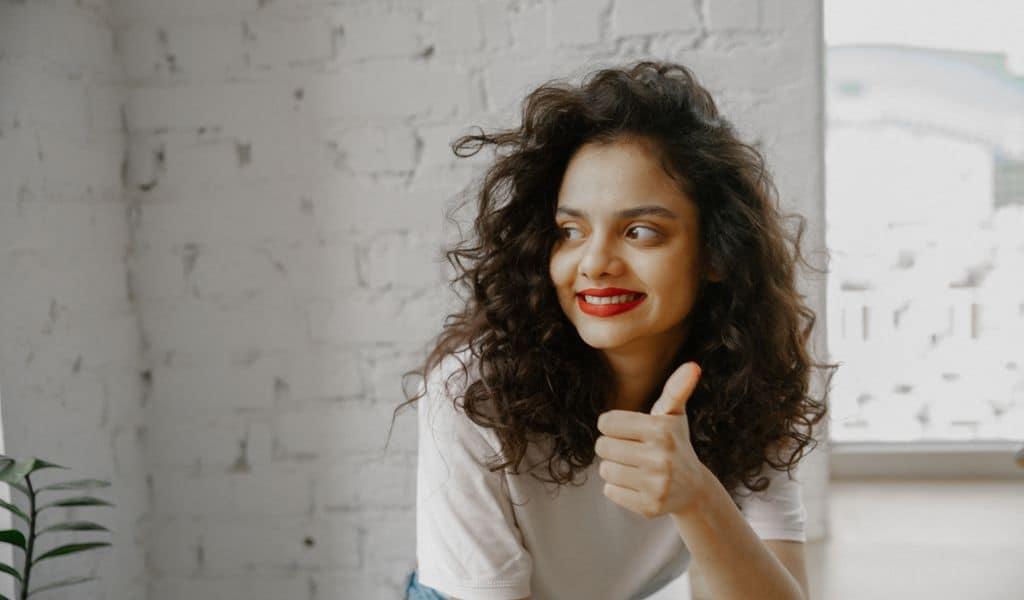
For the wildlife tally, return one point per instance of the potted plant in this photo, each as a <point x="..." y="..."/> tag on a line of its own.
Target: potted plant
<point x="18" y="475"/>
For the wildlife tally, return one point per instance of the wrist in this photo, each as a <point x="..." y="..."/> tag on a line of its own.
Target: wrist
<point x="705" y="495"/>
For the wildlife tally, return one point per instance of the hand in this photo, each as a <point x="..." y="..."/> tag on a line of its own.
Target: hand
<point x="650" y="466"/>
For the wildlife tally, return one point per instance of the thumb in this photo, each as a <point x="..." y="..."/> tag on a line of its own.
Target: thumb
<point x="677" y="390"/>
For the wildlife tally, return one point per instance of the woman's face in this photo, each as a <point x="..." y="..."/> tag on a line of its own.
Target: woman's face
<point x="625" y="224"/>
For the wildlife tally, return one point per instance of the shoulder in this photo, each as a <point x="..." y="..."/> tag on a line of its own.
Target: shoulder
<point x="450" y="377"/>
<point x="441" y="409"/>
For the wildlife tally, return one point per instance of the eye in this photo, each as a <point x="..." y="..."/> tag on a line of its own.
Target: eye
<point x="565" y="230"/>
<point x="654" y="233"/>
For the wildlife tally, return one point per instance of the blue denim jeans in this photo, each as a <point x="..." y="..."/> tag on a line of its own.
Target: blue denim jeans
<point x="414" y="590"/>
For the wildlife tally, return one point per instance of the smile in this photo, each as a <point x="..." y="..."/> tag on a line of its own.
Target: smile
<point x="608" y="306"/>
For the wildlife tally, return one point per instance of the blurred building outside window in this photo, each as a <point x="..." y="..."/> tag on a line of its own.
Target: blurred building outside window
<point x="925" y="221"/>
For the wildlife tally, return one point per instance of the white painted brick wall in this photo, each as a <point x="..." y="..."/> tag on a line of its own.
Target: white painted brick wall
<point x="287" y="167"/>
<point x="69" y="338"/>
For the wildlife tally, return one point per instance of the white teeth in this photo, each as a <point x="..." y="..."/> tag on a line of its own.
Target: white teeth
<point x="611" y="299"/>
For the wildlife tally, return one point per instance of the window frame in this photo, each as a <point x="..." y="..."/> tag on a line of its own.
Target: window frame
<point x="954" y="459"/>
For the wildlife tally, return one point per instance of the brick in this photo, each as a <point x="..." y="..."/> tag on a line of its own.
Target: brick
<point x="176" y="544"/>
<point x="86" y="40"/>
<point x="437" y="140"/>
<point x="370" y="32"/>
<point x="507" y="80"/>
<point x="126" y="12"/>
<point x="104" y="100"/>
<point x="374" y="482"/>
<point x="38" y="224"/>
<point x="313" y="433"/>
<point x="211" y="444"/>
<point x="39" y="101"/>
<point x="403" y="259"/>
<point x="371" y="316"/>
<point x="324" y="375"/>
<point x="395" y="89"/>
<point x="252" y="585"/>
<point x="274" y="214"/>
<point x="279" y="41"/>
<point x="375" y="148"/>
<point x="392" y="540"/>
<point x="230" y="105"/>
<point x="267" y="492"/>
<point x="210" y="332"/>
<point x="494" y="25"/>
<point x="347" y="204"/>
<point x="577" y="22"/>
<point x="56" y="296"/>
<point x="384" y="367"/>
<point x="454" y="25"/>
<point x="644" y="17"/>
<point x="192" y="159"/>
<point x="194" y="392"/>
<point x="803" y="18"/>
<point x="734" y="15"/>
<point x="210" y="50"/>
<point x="531" y="27"/>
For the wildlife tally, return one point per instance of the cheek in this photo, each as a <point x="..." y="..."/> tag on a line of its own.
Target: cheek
<point x="558" y="271"/>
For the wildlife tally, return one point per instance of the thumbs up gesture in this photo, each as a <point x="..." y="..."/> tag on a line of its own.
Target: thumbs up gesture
<point x="649" y="465"/>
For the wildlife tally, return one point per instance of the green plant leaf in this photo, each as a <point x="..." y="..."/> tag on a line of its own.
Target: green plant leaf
<point x="77" y="484"/>
<point x="74" y="526"/>
<point x="13" y="537"/>
<point x="8" y="569"/>
<point x="15" y="471"/>
<point x="77" y="501"/>
<point x="14" y="509"/>
<point x="62" y="582"/>
<point x="70" y="549"/>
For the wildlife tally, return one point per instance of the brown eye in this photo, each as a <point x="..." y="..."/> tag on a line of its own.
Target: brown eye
<point x="565" y="231"/>
<point x="653" y="232"/>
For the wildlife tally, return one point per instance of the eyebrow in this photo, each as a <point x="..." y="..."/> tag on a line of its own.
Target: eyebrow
<point x="629" y="213"/>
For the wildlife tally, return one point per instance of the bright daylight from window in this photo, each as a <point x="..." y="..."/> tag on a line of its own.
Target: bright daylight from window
<point x="925" y="219"/>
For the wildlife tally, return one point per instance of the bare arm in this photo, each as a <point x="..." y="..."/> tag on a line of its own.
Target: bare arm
<point x="734" y="562"/>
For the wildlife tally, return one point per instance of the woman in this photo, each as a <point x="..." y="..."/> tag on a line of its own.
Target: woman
<point x="633" y="322"/>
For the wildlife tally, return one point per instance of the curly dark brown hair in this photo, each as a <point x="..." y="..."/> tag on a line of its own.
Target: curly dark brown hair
<point x="537" y="378"/>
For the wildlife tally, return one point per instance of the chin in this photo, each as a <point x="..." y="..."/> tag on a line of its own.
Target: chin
<point x="603" y="340"/>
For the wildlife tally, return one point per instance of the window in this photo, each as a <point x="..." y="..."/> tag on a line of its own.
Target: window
<point x="925" y="226"/>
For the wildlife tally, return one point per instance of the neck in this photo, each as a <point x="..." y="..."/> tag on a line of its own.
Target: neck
<point x="640" y="371"/>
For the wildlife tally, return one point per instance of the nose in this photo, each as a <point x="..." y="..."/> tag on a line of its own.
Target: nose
<point x="599" y="258"/>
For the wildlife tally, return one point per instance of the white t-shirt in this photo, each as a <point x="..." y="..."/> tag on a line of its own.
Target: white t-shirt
<point x="483" y="535"/>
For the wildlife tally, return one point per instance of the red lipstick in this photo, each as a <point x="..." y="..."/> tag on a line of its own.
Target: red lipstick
<point x="607" y="310"/>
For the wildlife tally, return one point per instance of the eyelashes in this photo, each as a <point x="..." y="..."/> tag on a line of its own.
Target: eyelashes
<point x="655" y="234"/>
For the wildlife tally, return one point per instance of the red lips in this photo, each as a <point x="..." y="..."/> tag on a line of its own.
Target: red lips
<point x="607" y="310"/>
<point x="611" y="291"/>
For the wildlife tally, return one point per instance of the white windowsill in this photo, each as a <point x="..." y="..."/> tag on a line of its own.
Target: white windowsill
<point x="925" y="460"/>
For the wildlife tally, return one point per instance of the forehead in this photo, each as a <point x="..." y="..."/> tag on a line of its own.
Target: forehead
<point x="610" y="177"/>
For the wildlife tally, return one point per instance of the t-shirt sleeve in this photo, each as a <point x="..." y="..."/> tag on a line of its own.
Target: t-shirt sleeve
<point x="778" y="512"/>
<point x="467" y="542"/>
